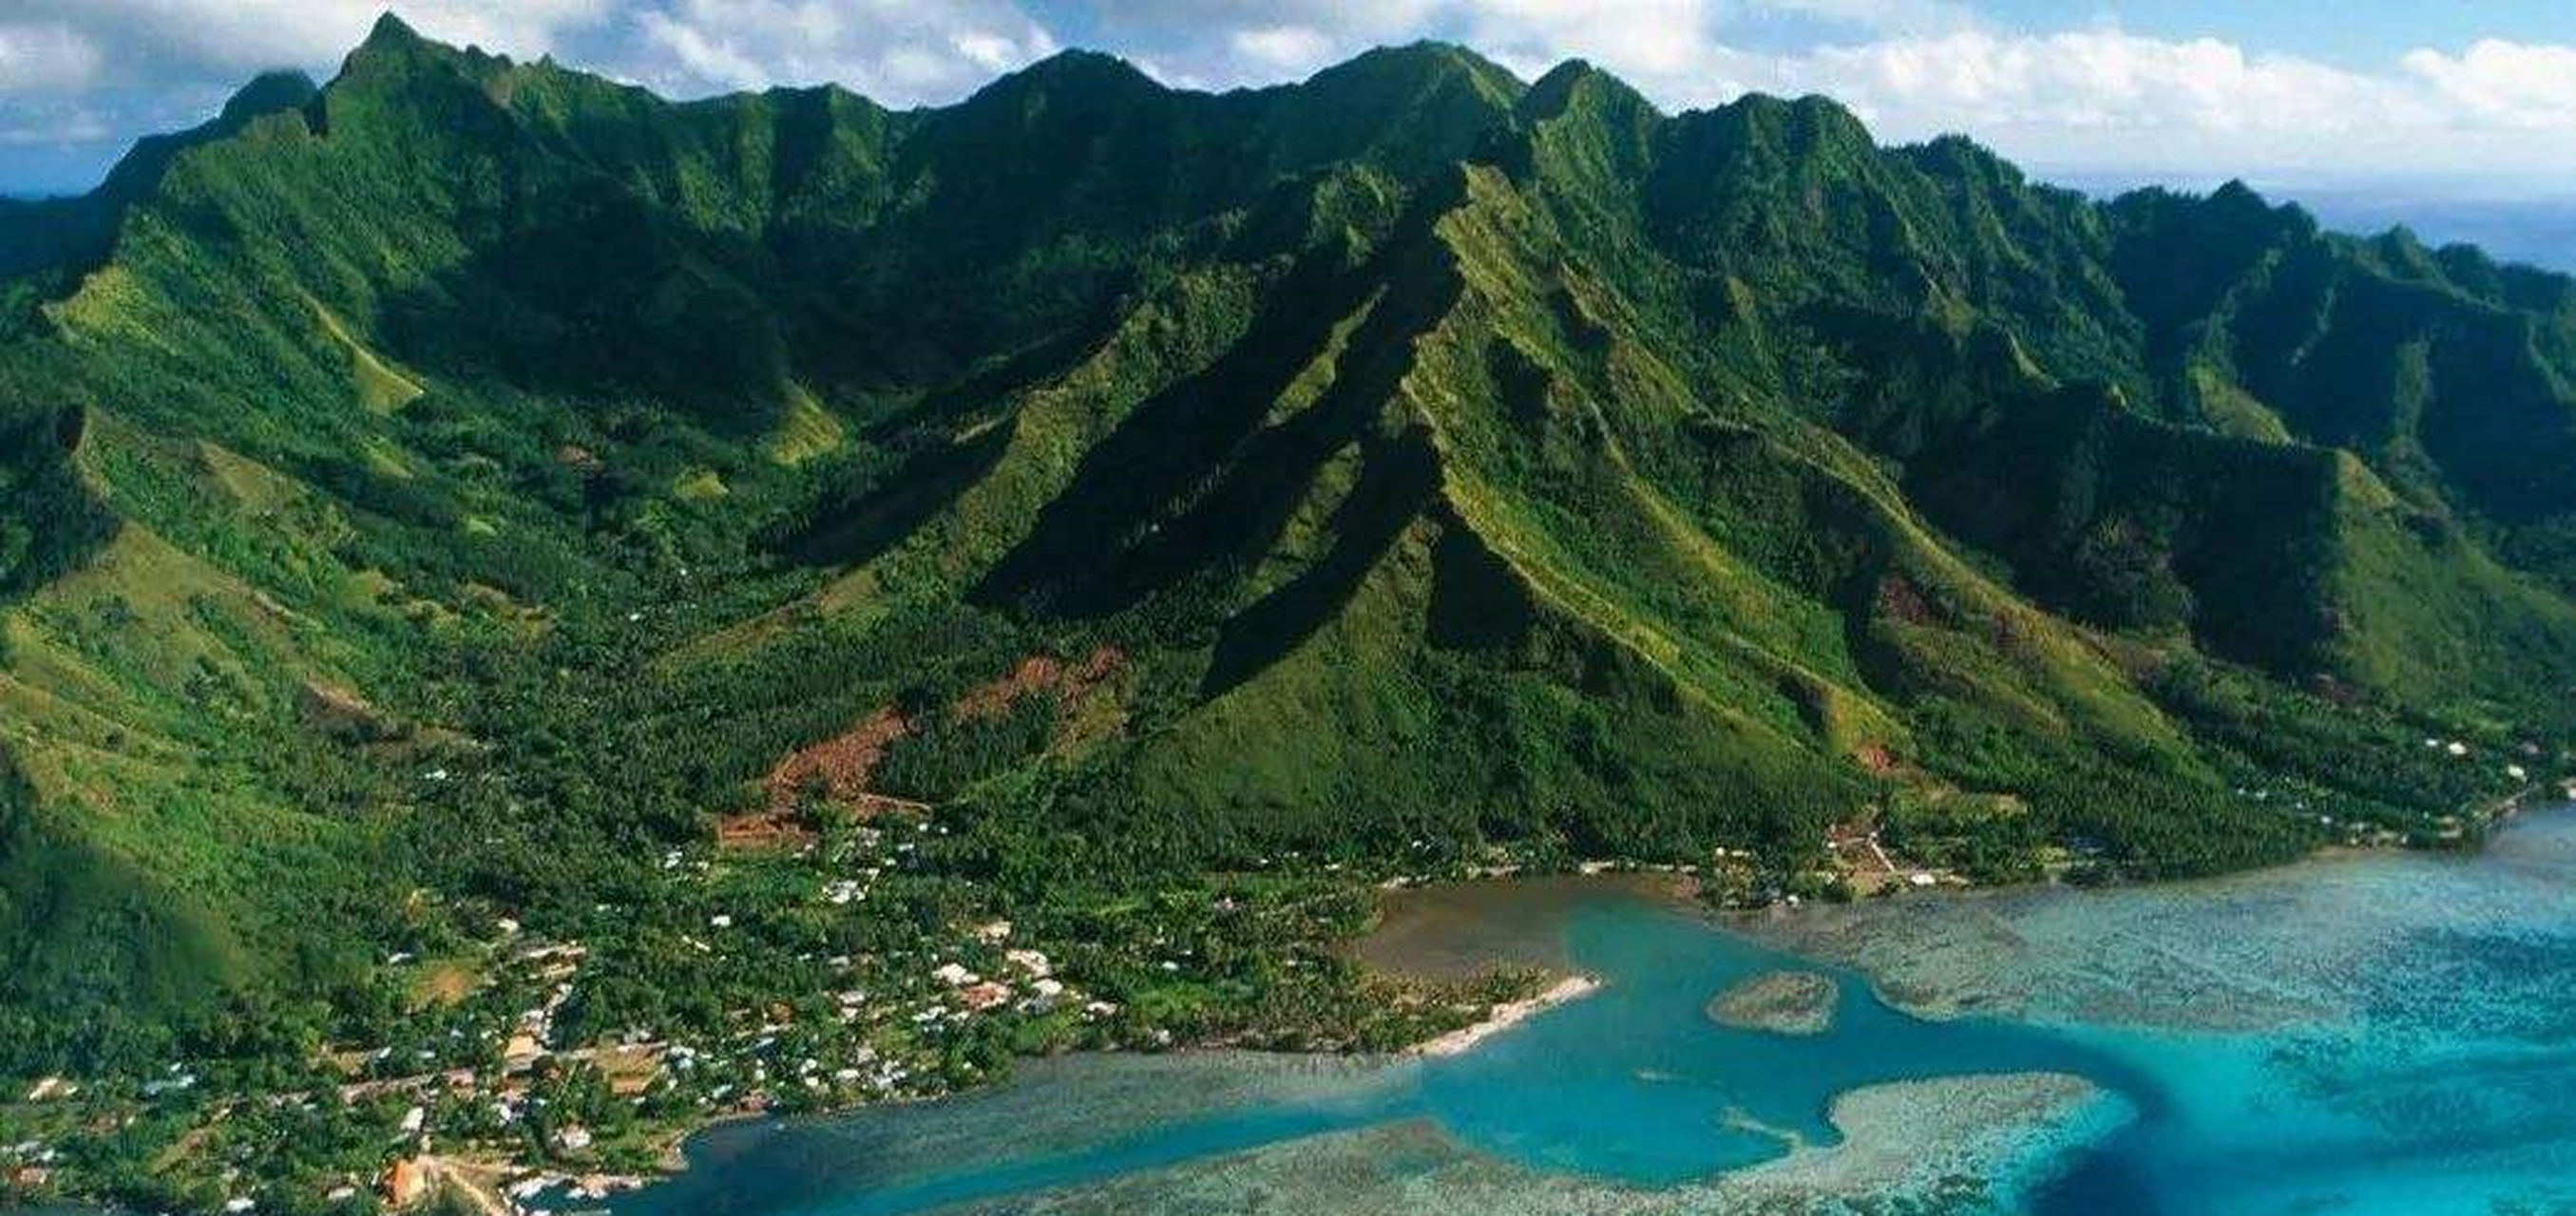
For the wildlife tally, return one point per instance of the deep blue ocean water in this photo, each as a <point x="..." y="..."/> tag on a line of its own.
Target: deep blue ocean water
<point x="2385" y="1034"/>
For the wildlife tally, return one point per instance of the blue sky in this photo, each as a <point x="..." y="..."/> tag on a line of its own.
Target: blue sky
<point x="2440" y="98"/>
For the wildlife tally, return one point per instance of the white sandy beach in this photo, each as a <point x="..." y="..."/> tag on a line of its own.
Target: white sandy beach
<point x="1508" y="1015"/>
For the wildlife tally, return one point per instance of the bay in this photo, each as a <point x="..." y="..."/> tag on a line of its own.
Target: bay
<point x="2381" y="1033"/>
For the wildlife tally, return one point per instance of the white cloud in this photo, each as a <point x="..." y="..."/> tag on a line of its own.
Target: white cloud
<point x="200" y="39"/>
<point x="44" y="57"/>
<point x="1291" y="49"/>
<point x="1879" y="16"/>
<point x="897" y="51"/>
<point x="2104" y="98"/>
<point x="1220" y="43"/>
<point x="990" y="51"/>
<point x="702" y="56"/>
<point x="1652" y="41"/>
<point x="2512" y="84"/>
<point x="54" y="124"/>
<point x="1213" y="22"/>
<point x="2083" y="81"/>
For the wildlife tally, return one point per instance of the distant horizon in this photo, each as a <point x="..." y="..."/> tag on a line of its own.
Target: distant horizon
<point x="2533" y="226"/>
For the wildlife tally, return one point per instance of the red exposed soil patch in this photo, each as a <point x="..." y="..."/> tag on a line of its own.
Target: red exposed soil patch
<point x="1038" y="672"/>
<point x="1877" y="758"/>
<point x="1900" y="598"/>
<point x="838" y="768"/>
<point x="763" y="830"/>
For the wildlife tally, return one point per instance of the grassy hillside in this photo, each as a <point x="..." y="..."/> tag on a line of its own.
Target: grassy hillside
<point x="440" y="496"/>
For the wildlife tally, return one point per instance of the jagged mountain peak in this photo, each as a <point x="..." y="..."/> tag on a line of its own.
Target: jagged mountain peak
<point x="1577" y="83"/>
<point x="268" y="93"/>
<point x="1071" y="71"/>
<point x="390" y="30"/>
<point x="391" y="40"/>
<point x="1416" y="61"/>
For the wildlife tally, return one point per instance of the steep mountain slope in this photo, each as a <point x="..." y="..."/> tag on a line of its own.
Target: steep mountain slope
<point x="45" y="233"/>
<point x="465" y="480"/>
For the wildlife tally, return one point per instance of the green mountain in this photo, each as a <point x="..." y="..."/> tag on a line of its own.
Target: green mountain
<point x="455" y="485"/>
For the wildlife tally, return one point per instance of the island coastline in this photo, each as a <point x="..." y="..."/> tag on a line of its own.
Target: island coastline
<point x="1505" y="1016"/>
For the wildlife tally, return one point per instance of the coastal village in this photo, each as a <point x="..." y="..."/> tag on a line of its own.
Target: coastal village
<point x="498" y="1086"/>
<point x="887" y="978"/>
<point x="490" y="1093"/>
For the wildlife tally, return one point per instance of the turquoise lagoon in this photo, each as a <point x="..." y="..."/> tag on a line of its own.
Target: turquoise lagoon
<point x="2364" y="1035"/>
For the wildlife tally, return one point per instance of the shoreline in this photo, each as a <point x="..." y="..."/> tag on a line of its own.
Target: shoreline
<point x="672" y="1158"/>
<point x="1669" y="887"/>
<point x="1504" y="1017"/>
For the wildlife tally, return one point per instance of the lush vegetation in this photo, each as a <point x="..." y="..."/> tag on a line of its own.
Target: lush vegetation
<point x="487" y="551"/>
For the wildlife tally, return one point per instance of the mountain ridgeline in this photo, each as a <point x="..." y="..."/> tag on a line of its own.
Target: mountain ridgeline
<point x="473" y="477"/>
